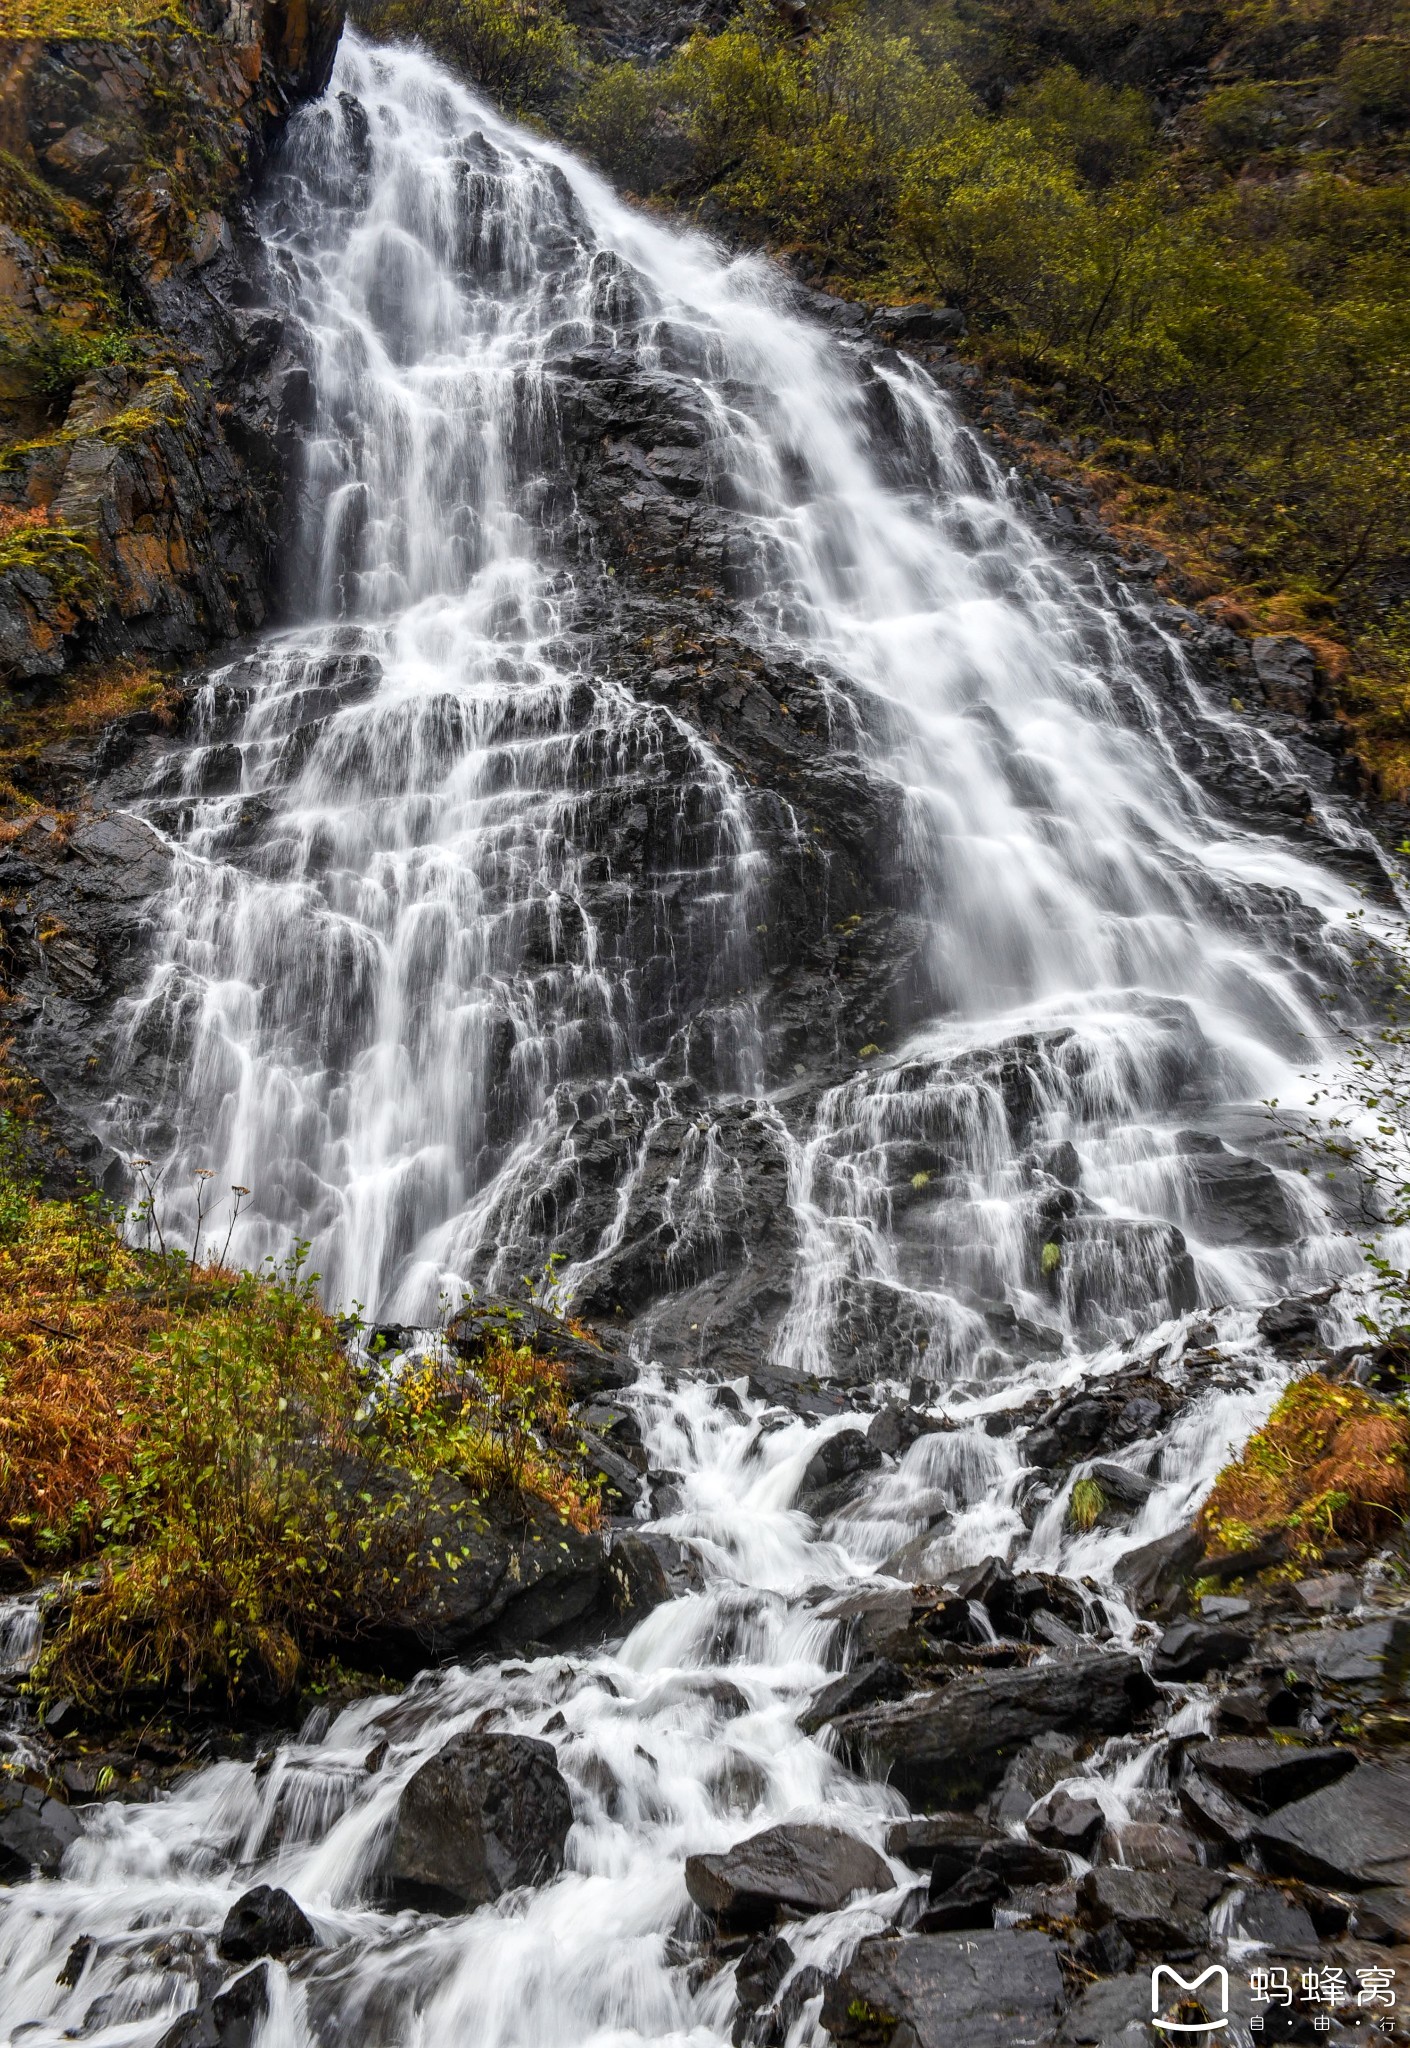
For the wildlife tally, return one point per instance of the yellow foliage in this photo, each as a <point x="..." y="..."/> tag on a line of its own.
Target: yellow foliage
<point x="1328" y="1465"/>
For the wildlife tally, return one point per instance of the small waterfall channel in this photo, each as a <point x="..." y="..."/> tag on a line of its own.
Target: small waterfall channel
<point x="457" y="901"/>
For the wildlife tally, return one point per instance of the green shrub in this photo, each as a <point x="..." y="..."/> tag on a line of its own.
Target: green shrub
<point x="521" y="52"/>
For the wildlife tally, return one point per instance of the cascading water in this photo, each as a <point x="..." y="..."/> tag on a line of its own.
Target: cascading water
<point x="459" y="911"/>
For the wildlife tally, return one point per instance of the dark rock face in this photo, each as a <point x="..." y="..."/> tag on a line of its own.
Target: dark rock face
<point x="1355" y="1832"/>
<point x="988" y="1990"/>
<point x="231" y="2019"/>
<point x="948" y="1747"/>
<point x="489" y="1813"/>
<point x="1192" y="1648"/>
<point x="1155" y="1910"/>
<point x="264" y="1922"/>
<point x="35" y="1830"/>
<point x="809" y="1869"/>
<point x="1066" y="1823"/>
<point x="531" y="1578"/>
<point x="171" y="479"/>
<point x="1268" y="1774"/>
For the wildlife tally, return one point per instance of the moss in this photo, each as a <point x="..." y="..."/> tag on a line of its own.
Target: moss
<point x="1087" y="1505"/>
<point x="109" y="21"/>
<point x="1328" y="1466"/>
<point x="60" y="554"/>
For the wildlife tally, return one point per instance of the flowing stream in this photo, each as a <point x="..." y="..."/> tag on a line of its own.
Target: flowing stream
<point x="405" y="970"/>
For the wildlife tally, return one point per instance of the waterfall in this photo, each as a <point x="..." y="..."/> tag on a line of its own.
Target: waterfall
<point x="477" y="951"/>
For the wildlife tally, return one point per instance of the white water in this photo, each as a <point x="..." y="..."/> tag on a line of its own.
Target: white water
<point x="395" y="889"/>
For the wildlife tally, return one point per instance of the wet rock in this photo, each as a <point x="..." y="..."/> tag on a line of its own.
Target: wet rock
<point x="646" y="1570"/>
<point x="1263" y="1913"/>
<point x="1065" y="1822"/>
<point x="863" y="1686"/>
<point x="526" y="1577"/>
<point x="589" y="1368"/>
<point x="909" y="325"/>
<point x="809" y="1869"/>
<point x="231" y="2019"/>
<point x="35" y="1831"/>
<point x="1128" y="1489"/>
<point x="834" y="1468"/>
<point x="1355" y="1832"/>
<point x="1263" y="1775"/>
<point x="949" y="1747"/>
<point x="1191" y="1649"/>
<point x="487" y="1814"/>
<point x="985" y="1989"/>
<point x="1112" y="2013"/>
<point x="1238" y="1201"/>
<point x="1287" y="673"/>
<point x="1156" y="1910"/>
<point x="1373" y="1657"/>
<point x="1155" y="1574"/>
<point x="945" y="1843"/>
<point x="1149" y="1845"/>
<point x="1214" y="1813"/>
<point x="762" y="1968"/>
<point x="1291" y="1326"/>
<point x="1333" y="1593"/>
<point x="264" y="1922"/>
<point x="893" y="1429"/>
<point x="968" y="1902"/>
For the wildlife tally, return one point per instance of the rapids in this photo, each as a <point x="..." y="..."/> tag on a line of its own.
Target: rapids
<point x="400" y="955"/>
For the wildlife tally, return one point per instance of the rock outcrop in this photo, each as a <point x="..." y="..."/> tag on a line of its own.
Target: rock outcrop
<point x="147" y="391"/>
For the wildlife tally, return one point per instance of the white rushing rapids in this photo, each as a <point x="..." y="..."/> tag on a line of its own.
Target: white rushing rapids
<point x="387" y="894"/>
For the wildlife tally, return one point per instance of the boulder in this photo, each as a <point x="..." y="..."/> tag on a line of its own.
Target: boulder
<point x="984" y="1990"/>
<point x="1355" y="1832"/>
<point x="1066" y="1822"/>
<point x="1112" y="2013"/>
<point x="1214" y="1813"/>
<point x="893" y="1429"/>
<point x="486" y="1814"/>
<point x="919" y="323"/>
<point x="1291" y="1326"/>
<point x="948" y="1747"/>
<point x="1156" y="1910"/>
<point x="1155" y="1574"/>
<point x="1265" y="1774"/>
<point x="35" y="1830"/>
<point x="1190" y="1649"/>
<point x="835" y="1470"/>
<point x="1375" y="1656"/>
<point x="531" y="1577"/>
<point x="762" y="1968"/>
<point x="969" y="1902"/>
<point x="264" y="1922"/>
<point x="1287" y="673"/>
<point x="231" y="2019"/>
<point x="863" y="1686"/>
<point x="806" y="1868"/>
<point x="946" y="1844"/>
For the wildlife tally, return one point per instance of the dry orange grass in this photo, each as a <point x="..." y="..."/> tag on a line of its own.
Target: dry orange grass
<point x="1328" y="1465"/>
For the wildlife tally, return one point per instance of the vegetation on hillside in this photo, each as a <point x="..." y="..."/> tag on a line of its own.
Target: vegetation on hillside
<point x="1180" y="232"/>
<point x="251" y="1487"/>
<point x="1327" y="1467"/>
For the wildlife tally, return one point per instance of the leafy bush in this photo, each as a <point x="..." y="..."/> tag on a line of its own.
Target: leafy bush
<point x="1374" y="79"/>
<point x="1328" y="1466"/>
<point x="521" y="53"/>
<point x="254" y="1489"/>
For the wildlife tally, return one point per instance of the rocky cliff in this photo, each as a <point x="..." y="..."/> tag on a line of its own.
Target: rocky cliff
<point x="146" y="391"/>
